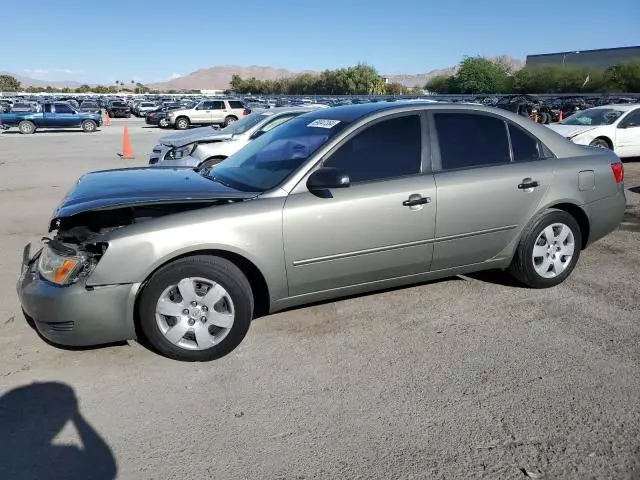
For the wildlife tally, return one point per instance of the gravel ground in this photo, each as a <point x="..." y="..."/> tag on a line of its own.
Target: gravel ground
<point x="470" y="377"/>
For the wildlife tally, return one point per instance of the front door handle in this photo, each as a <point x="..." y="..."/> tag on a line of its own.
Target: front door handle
<point x="528" y="184"/>
<point x="415" y="200"/>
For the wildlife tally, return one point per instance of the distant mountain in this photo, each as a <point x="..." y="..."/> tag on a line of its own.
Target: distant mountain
<point x="34" y="82"/>
<point x="218" y="78"/>
<point x="419" y="80"/>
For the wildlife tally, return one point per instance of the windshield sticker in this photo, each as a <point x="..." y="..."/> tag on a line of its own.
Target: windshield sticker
<point x="321" y="123"/>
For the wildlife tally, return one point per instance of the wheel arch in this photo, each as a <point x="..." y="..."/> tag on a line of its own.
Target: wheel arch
<point x="581" y="218"/>
<point x="606" y="139"/>
<point x="259" y="286"/>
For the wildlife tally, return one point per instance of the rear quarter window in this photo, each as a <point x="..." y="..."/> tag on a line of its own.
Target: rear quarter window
<point x="236" y="104"/>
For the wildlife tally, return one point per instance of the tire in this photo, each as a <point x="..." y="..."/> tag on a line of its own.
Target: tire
<point x="182" y="123"/>
<point x="210" y="162"/>
<point x="89" y="126"/>
<point x="26" y="127"/>
<point x="229" y="120"/>
<point x="163" y="123"/>
<point x="177" y="336"/>
<point x="600" y="143"/>
<point x="127" y="115"/>
<point x="527" y="266"/>
<point x="544" y="118"/>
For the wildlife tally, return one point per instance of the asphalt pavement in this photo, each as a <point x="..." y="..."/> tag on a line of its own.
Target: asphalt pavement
<point x="469" y="377"/>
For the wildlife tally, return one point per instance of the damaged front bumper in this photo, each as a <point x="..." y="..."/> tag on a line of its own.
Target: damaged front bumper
<point x="76" y="314"/>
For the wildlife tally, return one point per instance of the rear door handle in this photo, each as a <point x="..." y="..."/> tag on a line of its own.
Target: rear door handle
<point x="527" y="184"/>
<point x="415" y="200"/>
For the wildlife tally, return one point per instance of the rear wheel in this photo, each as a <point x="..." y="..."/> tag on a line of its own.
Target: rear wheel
<point x="89" y="126"/>
<point x="600" y="143"/>
<point x="182" y="123"/>
<point x="548" y="250"/>
<point x="163" y="123"/>
<point x="26" y="127"/>
<point x="229" y="120"/>
<point x="196" y="308"/>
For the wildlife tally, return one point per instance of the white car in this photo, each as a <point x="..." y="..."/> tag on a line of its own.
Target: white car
<point x="204" y="147"/>
<point x="610" y="126"/>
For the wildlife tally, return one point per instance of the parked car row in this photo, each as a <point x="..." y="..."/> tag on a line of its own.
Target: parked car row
<point x="313" y="204"/>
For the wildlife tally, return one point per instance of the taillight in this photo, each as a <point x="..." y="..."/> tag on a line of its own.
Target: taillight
<point x="246" y="112"/>
<point x="618" y="171"/>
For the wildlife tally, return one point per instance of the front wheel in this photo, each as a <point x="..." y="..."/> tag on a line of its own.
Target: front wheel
<point x="182" y="123"/>
<point x="229" y="120"/>
<point x="548" y="251"/>
<point x="26" y="127"/>
<point x="600" y="143"/>
<point x="210" y="162"/>
<point x="163" y="123"/>
<point x="196" y="308"/>
<point x="89" y="126"/>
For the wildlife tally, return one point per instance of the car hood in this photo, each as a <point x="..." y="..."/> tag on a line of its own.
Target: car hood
<point x="194" y="135"/>
<point x="571" y="131"/>
<point x="110" y="189"/>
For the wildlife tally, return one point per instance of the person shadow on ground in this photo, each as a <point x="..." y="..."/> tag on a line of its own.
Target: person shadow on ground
<point x="30" y="418"/>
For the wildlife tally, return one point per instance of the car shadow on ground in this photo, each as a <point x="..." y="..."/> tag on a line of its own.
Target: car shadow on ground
<point x="635" y="189"/>
<point x="32" y="416"/>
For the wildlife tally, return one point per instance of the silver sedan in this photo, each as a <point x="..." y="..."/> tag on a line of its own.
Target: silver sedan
<point x="334" y="202"/>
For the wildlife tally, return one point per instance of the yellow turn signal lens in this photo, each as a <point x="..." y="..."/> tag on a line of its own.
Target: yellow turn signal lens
<point x="63" y="271"/>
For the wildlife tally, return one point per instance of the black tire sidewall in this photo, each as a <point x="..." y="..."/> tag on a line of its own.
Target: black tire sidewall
<point x="214" y="268"/>
<point x="523" y="264"/>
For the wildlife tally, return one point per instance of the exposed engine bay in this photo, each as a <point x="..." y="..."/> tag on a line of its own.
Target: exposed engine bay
<point x="84" y="227"/>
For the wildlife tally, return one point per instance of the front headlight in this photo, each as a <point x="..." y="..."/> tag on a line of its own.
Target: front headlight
<point x="179" y="152"/>
<point x="58" y="268"/>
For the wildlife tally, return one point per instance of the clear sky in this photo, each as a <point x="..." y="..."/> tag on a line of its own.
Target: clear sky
<point x="151" y="40"/>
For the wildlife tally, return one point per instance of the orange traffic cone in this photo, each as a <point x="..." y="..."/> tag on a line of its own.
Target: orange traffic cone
<point x="107" y="119"/>
<point x="127" y="151"/>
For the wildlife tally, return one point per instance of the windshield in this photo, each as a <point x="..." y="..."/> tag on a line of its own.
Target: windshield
<point x="593" y="117"/>
<point x="119" y="104"/>
<point x="248" y="122"/>
<point x="267" y="161"/>
<point x="89" y="105"/>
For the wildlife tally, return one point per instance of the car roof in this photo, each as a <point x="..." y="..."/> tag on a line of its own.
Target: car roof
<point x="623" y="107"/>
<point x="276" y="110"/>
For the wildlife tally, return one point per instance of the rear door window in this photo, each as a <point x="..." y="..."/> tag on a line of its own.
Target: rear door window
<point x="63" y="108"/>
<point x="218" y="105"/>
<point x="471" y="140"/>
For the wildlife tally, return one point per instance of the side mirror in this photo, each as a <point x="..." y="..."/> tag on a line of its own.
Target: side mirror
<point x="326" y="178"/>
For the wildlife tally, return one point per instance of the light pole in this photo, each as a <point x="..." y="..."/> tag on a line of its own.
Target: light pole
<point x="564" y="57"/>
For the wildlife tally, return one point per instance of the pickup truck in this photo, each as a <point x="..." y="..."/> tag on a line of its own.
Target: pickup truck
<point x="53" y="115"/>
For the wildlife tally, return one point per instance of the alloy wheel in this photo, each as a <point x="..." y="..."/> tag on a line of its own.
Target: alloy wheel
<point x="195" y="314"/>
<point x="553" y="250"/>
